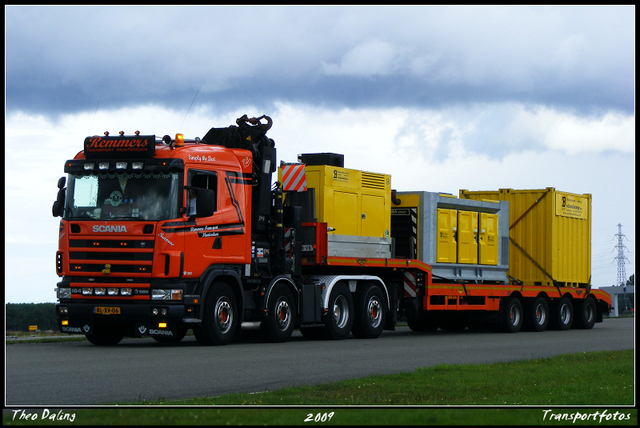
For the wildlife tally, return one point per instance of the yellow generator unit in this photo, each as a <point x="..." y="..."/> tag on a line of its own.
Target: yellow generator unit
<point x="351" y="202"/>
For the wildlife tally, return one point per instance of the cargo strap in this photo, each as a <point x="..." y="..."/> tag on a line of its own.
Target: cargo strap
<point x="530" y="208"/>
<point x="555" y="283"/>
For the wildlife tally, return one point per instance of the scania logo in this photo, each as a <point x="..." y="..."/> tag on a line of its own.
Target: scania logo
<point x="109" y="228"/>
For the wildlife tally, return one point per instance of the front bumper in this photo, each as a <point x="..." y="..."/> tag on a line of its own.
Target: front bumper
<point x="135" y="320"/>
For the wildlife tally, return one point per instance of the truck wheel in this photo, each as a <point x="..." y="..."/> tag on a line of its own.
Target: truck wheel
<point x="105" y="335"/>
<point x="536" y="313"/>
<point x="220" y="321"/>
<point x="339" y="319"/>
<point x="586" y="313"/>
<point x="561" y="314"/>
<point x="281" y="310"/>
<point x="181" y="332"/>
<point x="513" y="315"/>
<point x="369" y="314"/>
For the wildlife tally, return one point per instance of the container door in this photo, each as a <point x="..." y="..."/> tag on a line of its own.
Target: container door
<point x="467" y="237"/>
<point x="488" y="238"/>
<point x="346" y="217"/>
<point x="446" y="247"/>
<point x="373" y="216"/>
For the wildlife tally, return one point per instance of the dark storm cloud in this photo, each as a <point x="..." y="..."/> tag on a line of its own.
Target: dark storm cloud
<point x="65" y="59"/>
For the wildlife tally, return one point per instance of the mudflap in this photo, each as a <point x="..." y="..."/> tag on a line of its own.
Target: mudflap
<point x="79" y="328"/>
<point x="152" y="329"/>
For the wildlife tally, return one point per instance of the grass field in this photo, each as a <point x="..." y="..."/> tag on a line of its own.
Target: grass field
<point x="575" y="389"/>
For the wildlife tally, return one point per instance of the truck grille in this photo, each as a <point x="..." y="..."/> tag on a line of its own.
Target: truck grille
<point x="111" y="256"/>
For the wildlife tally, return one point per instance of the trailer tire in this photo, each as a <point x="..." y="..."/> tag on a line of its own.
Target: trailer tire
<point x="281" y="311"/>
<point x="339" y="319"/>
<point x="536" y="313"/>
<point x="561" y="314"/>
<point x="369" y="313"/>
<point x="585" y="313"/>
<point x="513" y="315"/>
<point x="105" y="335"/>
<point x="220" y="321"/>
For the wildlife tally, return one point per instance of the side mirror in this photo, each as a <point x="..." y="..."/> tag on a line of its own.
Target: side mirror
<point x="58" y="205"/>
<point x="205" y="203"/>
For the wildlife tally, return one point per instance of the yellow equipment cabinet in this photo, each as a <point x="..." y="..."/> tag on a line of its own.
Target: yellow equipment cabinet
<point x="550" y="235"/>
<point x="351" y="202"/>
<point x="468" y="237"/>
<point x="447" y="247"/>
<point x="488" y="239"/>
<point x="461" y="239"/>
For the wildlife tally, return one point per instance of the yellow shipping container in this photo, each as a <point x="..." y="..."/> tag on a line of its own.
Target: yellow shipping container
<point x="549" y="233"/>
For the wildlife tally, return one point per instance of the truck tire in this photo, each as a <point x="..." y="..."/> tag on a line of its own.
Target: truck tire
<point x="585" y="313"/>
<point x="536" y="314"/>
<point x="181" y="332"/>
<point x="513" y="315"/>
<point x="369" y="313"/>
<point x="561" y="314"/>
<point x="281" y="313"/>
<point x="220" y="320"/>
<point x="339" y="319"/>
<point x="105" y="335"/>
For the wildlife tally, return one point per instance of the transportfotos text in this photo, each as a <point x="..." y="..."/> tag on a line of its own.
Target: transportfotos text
<point x="597" y="416"/>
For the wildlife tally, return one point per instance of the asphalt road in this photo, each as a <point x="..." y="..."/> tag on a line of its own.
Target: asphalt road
<point x="78" y="373"/>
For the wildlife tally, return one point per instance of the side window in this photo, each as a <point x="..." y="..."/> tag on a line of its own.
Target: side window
<point x="201" y="180"/>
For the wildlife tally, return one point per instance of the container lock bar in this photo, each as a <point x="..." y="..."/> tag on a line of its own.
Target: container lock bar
<point x="527" y="211"/>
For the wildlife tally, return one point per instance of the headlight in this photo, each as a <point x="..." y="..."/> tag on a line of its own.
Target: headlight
<point x="126" y="291"/>
<point x="64" y="293"/>
<point x="100" y="291"/>
<point x="166" y="294"/>
<point x="87" y="291"/>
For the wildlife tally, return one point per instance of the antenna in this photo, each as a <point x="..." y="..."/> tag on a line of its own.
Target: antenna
<point x="94" y="114"/>
<point x="192" y="101"/>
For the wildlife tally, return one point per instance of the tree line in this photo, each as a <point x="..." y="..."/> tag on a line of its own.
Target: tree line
<point x="20" y="316"/>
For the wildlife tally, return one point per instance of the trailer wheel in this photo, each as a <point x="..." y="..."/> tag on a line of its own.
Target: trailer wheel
<point x="339" y="320"/>
<point x="585" y="313"/>
<point x="369" y="313"/>
<point x="281" y="310"/>
<point x="536" y="314"/>
<point x="181" y="332"/>
<point x="105" y="335"/>
<point x="561" y="314"/>
<point x="220" y="322"/>
<point x="513" y="315"/>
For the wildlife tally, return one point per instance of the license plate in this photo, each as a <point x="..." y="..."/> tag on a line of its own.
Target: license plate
<point x="106" y="310"/>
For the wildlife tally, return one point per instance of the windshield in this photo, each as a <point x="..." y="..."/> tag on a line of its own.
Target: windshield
<point x="122" y="196"/>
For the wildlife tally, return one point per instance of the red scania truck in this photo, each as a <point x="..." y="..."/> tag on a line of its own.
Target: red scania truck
<point x="159" y="236"/>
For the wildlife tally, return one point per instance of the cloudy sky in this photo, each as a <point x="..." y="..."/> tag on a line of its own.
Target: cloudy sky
<point x="442" y="98"/>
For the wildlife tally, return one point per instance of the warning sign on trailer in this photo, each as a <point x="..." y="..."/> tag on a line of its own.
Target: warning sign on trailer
<point x="573" y="206"/>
